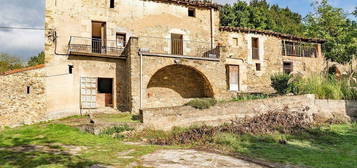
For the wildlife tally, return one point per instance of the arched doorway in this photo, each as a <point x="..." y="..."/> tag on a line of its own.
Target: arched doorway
<point x="175" y="85"/>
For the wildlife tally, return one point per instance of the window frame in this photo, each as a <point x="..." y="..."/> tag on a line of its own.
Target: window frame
<point x="255" y="50"/>
<point x="124" y="39"/>
<point x="291" y="68"/>
<point x="191" y="12"/>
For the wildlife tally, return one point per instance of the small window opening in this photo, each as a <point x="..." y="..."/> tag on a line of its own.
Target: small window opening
<point x="288" y="67"/>
<point x="112" y="4"/>
<point x="192" y="12"/>
<point x="235" y="41"/>
<point x="28" y="90"/>
<point x="121" y="39"/>
<point x="258" y="67"/>
<point x="70" y="69"/>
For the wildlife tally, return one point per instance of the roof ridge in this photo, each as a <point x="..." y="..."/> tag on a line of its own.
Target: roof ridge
<point x="22" y="69"/>
<point x="270" y="32"/>
<point x="198" y="3"/>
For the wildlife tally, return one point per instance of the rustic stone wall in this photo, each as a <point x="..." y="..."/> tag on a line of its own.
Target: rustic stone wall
<point x="185" y="116"/>
<point x="17" y="107"/>
<point x="271" y="60"/>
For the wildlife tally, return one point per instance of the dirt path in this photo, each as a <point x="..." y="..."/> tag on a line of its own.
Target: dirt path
<point x="193" y="159"/>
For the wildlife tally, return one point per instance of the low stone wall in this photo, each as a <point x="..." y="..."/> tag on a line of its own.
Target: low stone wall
<point x="166" y="118"/>
<point x="22" y="97"/>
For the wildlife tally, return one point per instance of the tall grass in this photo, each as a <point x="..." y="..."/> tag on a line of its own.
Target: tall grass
<point x="324" y="87"/>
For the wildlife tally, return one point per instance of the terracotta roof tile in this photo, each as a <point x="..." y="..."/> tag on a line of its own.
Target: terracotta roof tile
<point x="23" y="69"/>
<point x="267" y="32"/>
<point x="198" y="3"/>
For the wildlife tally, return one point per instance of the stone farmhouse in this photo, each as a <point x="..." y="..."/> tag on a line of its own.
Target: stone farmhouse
<point x="135" y="54"/>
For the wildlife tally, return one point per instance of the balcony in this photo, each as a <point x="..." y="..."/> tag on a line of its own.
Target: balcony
<point x="299" y="50"/>
<point x="95" y="47"/>
<point x="176" y="47"/>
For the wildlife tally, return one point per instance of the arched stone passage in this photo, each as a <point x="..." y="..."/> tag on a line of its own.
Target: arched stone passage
<point x="175" y="85"/>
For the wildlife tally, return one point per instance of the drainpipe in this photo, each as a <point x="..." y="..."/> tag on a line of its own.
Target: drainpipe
<point x="212" y="10"/>
<point x="141" y="80"/>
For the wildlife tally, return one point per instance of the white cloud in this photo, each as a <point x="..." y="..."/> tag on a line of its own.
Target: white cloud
<point x="21" y="40"/>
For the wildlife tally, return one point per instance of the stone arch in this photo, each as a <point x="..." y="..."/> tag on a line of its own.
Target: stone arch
<point x="176" y="84"/>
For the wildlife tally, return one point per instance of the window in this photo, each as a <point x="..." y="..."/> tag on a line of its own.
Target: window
<point x="255" y="48"/>
<point x="70" y="69"/>
<point x="235" y="41"/>
<point x="288" y="67"/>
<point x="121" y="40"/>
<point x="112" y="4"/>
<point x="105" y="85"/>
<point x="258" y="67"/>
<point x="192" y="12"/>
<point x="233" y="77"/>
<point x="177" y="44"/>
<point x="28" y="90"/>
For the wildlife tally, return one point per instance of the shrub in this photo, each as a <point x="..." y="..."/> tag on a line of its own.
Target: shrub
<point x="323" y="87"/>
<point x="250" y="97"/>
<point x="116" y="130"/>
<point x="202" y="103"/>
<point x="280" y="82"/>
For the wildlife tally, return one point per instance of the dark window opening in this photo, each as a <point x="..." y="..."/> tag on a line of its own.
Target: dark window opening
<point x="105" y="85"/>
<point x="255" y="48"/>
<point x="177" y="44"/>
<point x="258" y="67"/>
<point x="121" y="39"/>
<point x="28" y="89"/>
<point x="192" y="12"/>
<point x="236" y="42"/>
<point x="70" y="69"/>
<point x="288" y="67"/>
<point x="111" y="3"/>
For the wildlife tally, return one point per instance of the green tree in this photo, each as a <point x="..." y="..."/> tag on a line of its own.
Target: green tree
<point x="8" y="62"/>
<point x="259" y="14"/>
<point x="332" y="24"/>
<point x="37" y="60"/>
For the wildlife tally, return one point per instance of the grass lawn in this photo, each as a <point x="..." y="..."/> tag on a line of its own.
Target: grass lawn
<point x="49" y="145"/>
<point x="332" y="146"/>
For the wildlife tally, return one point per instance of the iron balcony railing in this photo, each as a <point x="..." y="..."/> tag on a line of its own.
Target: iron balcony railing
<point x="299" y="50"/>
<point x="178" y="47"/>
<point x="95" y="47"/>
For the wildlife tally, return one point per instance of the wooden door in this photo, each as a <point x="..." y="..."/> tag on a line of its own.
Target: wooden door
<point x="177" y="44"/>
<point x="233" y="72"/>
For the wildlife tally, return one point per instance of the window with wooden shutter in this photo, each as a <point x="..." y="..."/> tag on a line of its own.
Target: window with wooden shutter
<point x="255" y="48"/>
<point x="177" y="44"/>
<point x="233" y="77"/>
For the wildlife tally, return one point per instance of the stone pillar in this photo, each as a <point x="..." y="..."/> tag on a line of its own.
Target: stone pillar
<point x="133" y="71"/>
<point x="319" y="51"/>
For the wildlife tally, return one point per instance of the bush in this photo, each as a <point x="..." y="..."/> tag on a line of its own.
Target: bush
<point x="323" y="87"/>
<point x="202" y="103"/>
<point x="116" y="130"/>
<point x="280" y="82"/>
<point x="250" y="97"/>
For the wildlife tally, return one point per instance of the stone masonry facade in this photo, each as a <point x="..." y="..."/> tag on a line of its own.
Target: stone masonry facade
<point x="22" y="99"/>
<point x="135" y="54"/>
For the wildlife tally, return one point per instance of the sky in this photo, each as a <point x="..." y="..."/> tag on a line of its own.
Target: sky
<point x="30" y="13"/>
